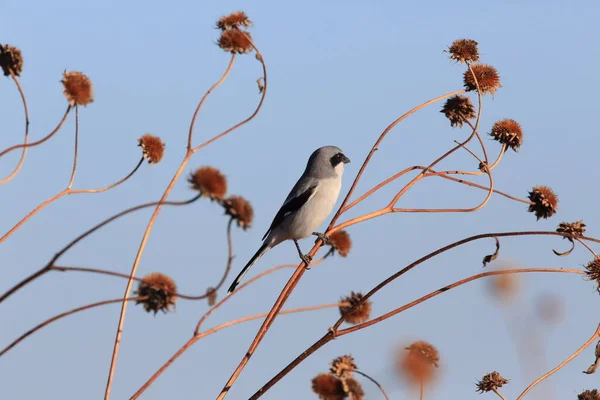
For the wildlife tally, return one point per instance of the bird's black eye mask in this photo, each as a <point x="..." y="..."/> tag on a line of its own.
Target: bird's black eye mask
<point x="339" y="158"/>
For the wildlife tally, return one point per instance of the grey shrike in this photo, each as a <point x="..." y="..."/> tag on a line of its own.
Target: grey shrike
<point x="306" y="207"/>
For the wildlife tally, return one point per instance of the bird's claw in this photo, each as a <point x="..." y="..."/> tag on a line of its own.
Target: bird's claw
<point x="321" y="236"/>
<point x="307" y="259"/>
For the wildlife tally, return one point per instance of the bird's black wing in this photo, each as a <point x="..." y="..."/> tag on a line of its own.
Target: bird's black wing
<point x="303" y="192"/>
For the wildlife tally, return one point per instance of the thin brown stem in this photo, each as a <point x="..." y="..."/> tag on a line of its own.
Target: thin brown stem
<point x="229" y="257"/>
<point x="422" y="391"/>
<point x="499" y="394"/>
<point x="76" y="151"/>
<point x="375" y="382"/>
<point x="591" y="340"/>
<point x="584" y="244"/>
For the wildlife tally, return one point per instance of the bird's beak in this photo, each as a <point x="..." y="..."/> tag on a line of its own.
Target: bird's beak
<point x="345" y="160"/>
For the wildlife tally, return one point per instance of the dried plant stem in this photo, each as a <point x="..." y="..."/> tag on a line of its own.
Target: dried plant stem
<point x="201" y="335"/>
<point x="26" y="111"/>
<point x="375" y="382"/>
<point x="76" y="151"/>
<point x="591" y="340"/>
<point x="499" y="394"/>
<point x="62" y="315"/>
<point x="32" y="144"/>
<point x="422" y="391"/>
<point x="229" y="259"/>
<point x="584" y="244"/>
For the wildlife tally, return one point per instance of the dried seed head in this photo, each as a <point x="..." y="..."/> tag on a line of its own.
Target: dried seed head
<point x="328" y="387"/>
<point x="458" y="109"/>
<point x="353" y="389"/>
<point x="463" y="50"/>
<point x="234" y="20"/>
<point x="508" y="132"/>
<point x="418" y="362"/>
<point x="340" y="241"/>
<point x="360" y="313"/>
<point x="589" y="395"/>
<point x="593" y="271"/>
<point x="212" y="296"/>
<point x="210" y="182"/>
<point x="159" y="290"/>
<point x="487" y="77"/>
<point x="11" y="59"/>
<point x="152" y="148"/>
<point x="505" y="286"/>
<point x="343" y="366"/>
<point x="235" y="41"/>
<point x="239" y="209"/>
<point x="545" y="202"/>
<point x="78" y="88"/>
<point x="490" y="382"/>
<point x="576" y="228"/>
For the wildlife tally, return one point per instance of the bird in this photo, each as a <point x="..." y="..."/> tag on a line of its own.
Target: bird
<point x="307" y="205"/>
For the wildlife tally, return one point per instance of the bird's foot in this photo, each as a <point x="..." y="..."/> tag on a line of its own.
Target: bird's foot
<point x="307" y="260"/>
<point x="321" y="236"/>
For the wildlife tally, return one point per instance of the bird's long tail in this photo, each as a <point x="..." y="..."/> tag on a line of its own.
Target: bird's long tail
<point x="263" y="249"/>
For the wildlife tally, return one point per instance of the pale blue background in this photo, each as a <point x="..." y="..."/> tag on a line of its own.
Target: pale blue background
<point x="339" y="73"/>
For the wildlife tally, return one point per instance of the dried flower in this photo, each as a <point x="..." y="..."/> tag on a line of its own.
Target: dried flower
<point x="152" y="148"/>
<point x="505" y="286"/>
<point x="463" y="50"/>
<point x="159" y="290"/>
<point x="487" y="77"/>
<point x="328" y="387"/>
<point x="235" y="41"/>
<point x="458" y="109"/>
<point x="593" y="271"/>
<point x="210" y="182"/>
<point x="340" y="241"/>
<point x="490" y="382"/>
<point x="343" y="366"/>
<point x="212" y="296"/>
<point x="508" y="132"/>
<point x="417" y="363"/>
<point x="11" y="59"/>
<point x="239" y="209"/>
<point x="589" y="395"/>
<point x="353" y="389"/>
<point x="78" y="88"/>
<point x="234" y="20"/>
<point x="576" y="228"/>
<point x="360" y="313"/>
<point x="545" y="202"/>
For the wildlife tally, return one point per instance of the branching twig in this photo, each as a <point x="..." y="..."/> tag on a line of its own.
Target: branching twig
<point x="375" y="382"/>
<point x="26" y="110"/>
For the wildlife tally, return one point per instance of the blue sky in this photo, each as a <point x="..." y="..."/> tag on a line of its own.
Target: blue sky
<point x="338" y="74"/>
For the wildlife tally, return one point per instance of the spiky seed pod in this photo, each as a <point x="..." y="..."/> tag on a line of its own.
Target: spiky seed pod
<point x="235" y="41"/>
<point x="545" y="202"/>
<point x="340" y="241"/>
<point x="463" y="50"/>
<point x="159" y="290"/>
<point x="11" y="59"/>
<point x="491" y="381"/>
<point x="152" y="148"/>
<point x="360" y="314"/>
<point x="78" y="88"/>
<point x="353" y="389"/>
<point x="234" y="20"/>
<point x="487" y="77"/>
<point x="576" y="228"/>
<point x="343" y="366"/>
<point x="328" y="387"/>
<point x="508" y="132"/>
<point x="589" y="395"/>
<point x="210" y="182"/>
<point x="418" y="361"/>
<point x="458" y="109"/>
<point x="239" y="209"/>
<point x="593" y="271"/>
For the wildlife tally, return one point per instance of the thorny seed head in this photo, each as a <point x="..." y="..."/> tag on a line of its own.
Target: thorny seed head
<point x="152" y="148"/>
<point x="353" y="389"/>
<point x="343" y="366"/>
<point x="159" y="290"/>
<point x="328" y="387"/>
<point x="576" y="228"/>
<point x="463" y="50"/>
<point x="458" y="109"/>
<point x="11" y="59"/>
<point x="360" y="314"/>
<point x="589" y="395"/>
<point x="545" y="202"/>
<point x="234" y="20"/>
<point x="78" y="88"/>
<point x="239" y="209"/>
<point x="418" y="361"/>
<point x="508" y="132"/>
<point x="491" y="381"/>
<point x="210" y="182"/>
<point x="340" y="241"/>
<point x="235" y="41"/>
<point x="487" y="77"/>
<point x="593" y="271"/>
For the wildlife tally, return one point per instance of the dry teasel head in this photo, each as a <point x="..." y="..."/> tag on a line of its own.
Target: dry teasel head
<point x="490" y="382"/>
<point x="593" y="271"/>
<point x="11" y="60"/>
<point x="545" y="202"/>
<point x="234" y="20"/>
<point x="152" y="148"/>
<point x="487" y="77"/>
<point x="328" y="387"/>
<point x="78" y="88"/>
<point x="353" y="389"/>
<point x="508" y="132"/>
<point x="235" y="41"/>
<point x="210" y="182"/>
<point x="340" y="241"/>
<point x="343" y="366"/>
<point x="463" y="50"/>
<point x="240" y="210"/>
<point x="589" y="395"/>
<point x="418" y="362"/>
<point x="159" y="291"/>
<point x="576" y="228"/>
<point x="458" y="109"/>
<point x="360" y="313"/>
